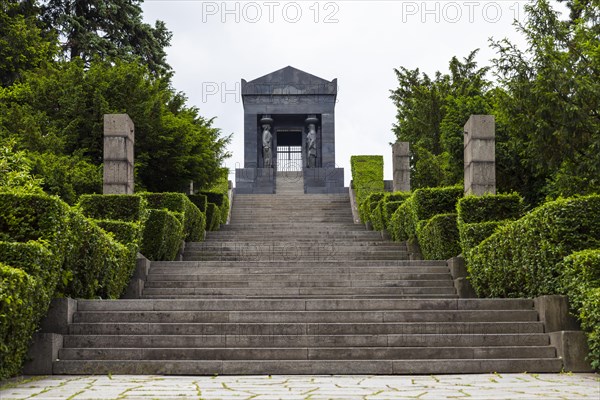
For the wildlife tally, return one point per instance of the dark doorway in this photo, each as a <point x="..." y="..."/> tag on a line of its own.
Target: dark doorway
<point x="289" y="150"/>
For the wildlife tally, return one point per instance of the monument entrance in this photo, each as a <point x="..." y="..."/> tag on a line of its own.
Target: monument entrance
<point x="289" y="125"/>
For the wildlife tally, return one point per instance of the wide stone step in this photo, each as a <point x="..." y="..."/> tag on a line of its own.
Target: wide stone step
<point x="296" y="274"/>
<point x="265" y="284"/>
<point x="312" y="367"/>
<point x="205" y="256"/>
<point x="299" y="291"/>
<point x="304" y="316"/>
<point x="302" y="305"/>
<point x="282" y="341"/>
<point x="297" y="328"/>
<point x="305" y="263"/>
<point x="303" y="353"/>
<point x="258" y="245"/>
<point x="267" y="295"/>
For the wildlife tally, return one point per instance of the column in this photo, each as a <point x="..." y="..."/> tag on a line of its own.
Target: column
<point x="401" y="165"/>
<point x="480" y="155"/>
<point x="119" y="133"/>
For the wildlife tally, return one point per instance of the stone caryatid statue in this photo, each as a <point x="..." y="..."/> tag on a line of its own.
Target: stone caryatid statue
<point x="311" y="141"/>
<point x="267" y="142"/>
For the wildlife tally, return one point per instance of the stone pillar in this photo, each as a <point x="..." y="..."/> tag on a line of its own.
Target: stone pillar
<point x="119" y="136"/>
<point x="401" y="165"/>
<point x="480" y="155"/>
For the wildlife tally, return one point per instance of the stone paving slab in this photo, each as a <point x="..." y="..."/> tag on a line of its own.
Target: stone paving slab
<point x="475" y="387"/>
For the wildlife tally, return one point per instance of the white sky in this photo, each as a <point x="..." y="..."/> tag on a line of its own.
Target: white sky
<point x="216" y="44"/>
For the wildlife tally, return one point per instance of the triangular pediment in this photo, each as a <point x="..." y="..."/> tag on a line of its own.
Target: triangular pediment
<point x="289" y="81"/>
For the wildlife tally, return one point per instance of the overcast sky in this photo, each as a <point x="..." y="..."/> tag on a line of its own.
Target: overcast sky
<point x="216" y="44"/>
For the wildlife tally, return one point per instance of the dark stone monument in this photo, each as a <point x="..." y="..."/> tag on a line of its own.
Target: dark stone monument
<point x="289" y="119"/>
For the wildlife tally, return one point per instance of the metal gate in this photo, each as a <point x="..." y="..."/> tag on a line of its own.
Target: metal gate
<point x="289" y="158"/>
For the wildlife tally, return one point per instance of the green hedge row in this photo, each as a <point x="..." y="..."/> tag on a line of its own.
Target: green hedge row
<point x="580" y="280"/>
<point x="213" y="217"/>
<point x="422" y="205"/>
<point x="438" y="237"/>
<point x="367" y="207"/>
<point x="379" y="207"/>
<point x="367" y="177"/>
<point x="20" y="310"/>
<point x="480" y="216"/>
<point x="128" y="208"/>
<point x="57" y="246"/>
<point x="162" y="236"/>
<point x="521" y="258"/>
<point x="194" y="223"/>
<point x="200" y="200"/>
<point x="221" y="201"/>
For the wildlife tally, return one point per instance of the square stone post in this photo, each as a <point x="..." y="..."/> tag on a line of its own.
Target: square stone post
<point x="119" y="133"/>
<point x="401" y="165"/>
<point x="480" y="155"/>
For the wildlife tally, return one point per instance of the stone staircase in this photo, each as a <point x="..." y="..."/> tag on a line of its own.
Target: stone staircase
<point x="292" y="286"/>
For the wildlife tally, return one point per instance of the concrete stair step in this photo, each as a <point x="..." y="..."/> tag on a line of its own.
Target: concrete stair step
<point x="282" y="341"/>
<point x="299" y="291"/>
<point x="296" y="328"/>
<point x="304" y="296"/>
<point x="323" y="304"/>
<point x="306" y="263"/>
<point x="311" y="367"/>
<point x="266" y="284"/>
<point x="303" y="353"/>
<point x="291" y="257"/>
<point x="297" y="274"/>
<point x="303" y="316"/>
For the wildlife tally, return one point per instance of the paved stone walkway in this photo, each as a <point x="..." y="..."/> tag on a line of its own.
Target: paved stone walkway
<point x="488" y="386"/>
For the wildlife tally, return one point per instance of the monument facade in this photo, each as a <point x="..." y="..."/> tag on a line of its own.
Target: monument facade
<point x="289" y="125"/>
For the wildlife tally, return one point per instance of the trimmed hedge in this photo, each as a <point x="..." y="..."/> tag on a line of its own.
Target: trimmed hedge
<point x="162" y="236"/>
<point x="521" y="259"/>
<point x="420" y="206"/>
<point x="191" y="216"/>
<point x="368" y="205"/>
<point x="219" y="195"/>
<point x="48" y="242"/>
<point x="121" y="207"/>
<point x="200" y="200"/>
<point x="589" y="315"/>
<point x="381" y="215"/>
<point x="126" y="233"/>
<point x="20" y="309"/>
<point x="438" y="237"/>
<point x="480" y="216"/>
<point x="367" y="177"/>
<point x="213" y="217"/>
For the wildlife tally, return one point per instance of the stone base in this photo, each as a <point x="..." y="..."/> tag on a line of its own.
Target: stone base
<point x="254" y="181"/>
<point x="573" y="348"/>
<point x="324" y="180"/>
<point x="42" y="353"/>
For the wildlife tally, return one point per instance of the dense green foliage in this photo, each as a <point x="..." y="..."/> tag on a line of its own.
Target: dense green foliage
<point x="367" y="207"/>
<point x="200" y="200"/>
<point x="480" y="216"/>
<point x="19" y="309"/>
<point x="219" y="195"/>
<point x="162" y="236"/>
<point x="108" y="28"/>
<point x="522" y="257"/>
<point x="367" y="177"/>
<point x="379" y="207"/>
<point x="119" y="207"/>
<point x="544" y="99"/>
<point x="191" y="217"/>
<point x="589" y="315"/>
<point x="213" y="217"/>
<point x="438" y="237"/>
<point x="419" y="207"/>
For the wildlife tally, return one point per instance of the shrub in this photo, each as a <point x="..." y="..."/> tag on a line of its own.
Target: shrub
<point x="368" y="205"/>
<point x="213" y="217"/>
<point x="480" y="216"/>
<point x="96" y="265"/>
<point x="421" y="206"/>
<point x="37" y="261"/>
<point x="382" y="213"/>
<point x="521" y="258"/>
<point x="580" y="280"/>
<point x="589" y="316"/>
<point x="219" y="195"/>
<point x="200" y="200"/>
<point x="367" y="177"/>
<point x="19" y="314"/>
<point x="126" y="233"/>
<point x="179" y="203"/>
<point x="438" y="237"/>
<point x="121" y="207"/>
<point x="162" y="236"/>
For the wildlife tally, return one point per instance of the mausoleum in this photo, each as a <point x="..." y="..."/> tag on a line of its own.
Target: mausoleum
<point x="289" y="125"/>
